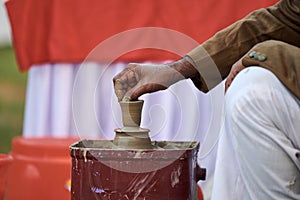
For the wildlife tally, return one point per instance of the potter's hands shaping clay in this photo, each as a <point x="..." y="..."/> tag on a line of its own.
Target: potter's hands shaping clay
<point x="138" y="79"/>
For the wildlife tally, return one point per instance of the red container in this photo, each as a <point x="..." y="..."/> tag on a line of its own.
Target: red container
<point x="41" y="169"/>
<point x="100" y="171"/>
<point x="5" y="161"/>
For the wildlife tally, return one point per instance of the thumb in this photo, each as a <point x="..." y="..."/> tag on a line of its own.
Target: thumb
<point x="134" y="93"/>
<point x="227" y="84"/>
<point x="140" y="89"/>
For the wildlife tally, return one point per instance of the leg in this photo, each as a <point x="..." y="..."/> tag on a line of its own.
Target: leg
<point x="261" y="139"/>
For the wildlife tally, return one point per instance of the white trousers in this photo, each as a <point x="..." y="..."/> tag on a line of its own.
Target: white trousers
<point x="258" y="156"/>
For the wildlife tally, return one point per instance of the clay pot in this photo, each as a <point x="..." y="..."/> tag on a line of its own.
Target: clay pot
<point x="132" y="136"/>
<point x="131" y="113"/>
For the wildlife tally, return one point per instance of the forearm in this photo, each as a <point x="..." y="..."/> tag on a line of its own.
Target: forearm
<point x="185" y="67"/>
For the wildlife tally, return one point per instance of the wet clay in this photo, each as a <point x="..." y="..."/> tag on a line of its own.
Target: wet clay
<point x="132" y="136"/>
<point x="131" y="112"/>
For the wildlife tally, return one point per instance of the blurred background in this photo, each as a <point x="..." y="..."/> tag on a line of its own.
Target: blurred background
<point x="12" y="87"/>
<point x="53" y="38"/>
<point x="13" y="82"/>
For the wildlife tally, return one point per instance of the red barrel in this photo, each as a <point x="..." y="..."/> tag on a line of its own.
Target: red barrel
<point x="5" y="161"/>
<point x="102" y="171"/>
<point x="200" y="194"/>
<point x="41" y="169"/>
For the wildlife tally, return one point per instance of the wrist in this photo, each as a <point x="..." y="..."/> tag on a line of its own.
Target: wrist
<point x="185" y="67"/>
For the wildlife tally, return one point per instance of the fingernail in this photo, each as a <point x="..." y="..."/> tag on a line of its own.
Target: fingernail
<point x="126" y="98"/>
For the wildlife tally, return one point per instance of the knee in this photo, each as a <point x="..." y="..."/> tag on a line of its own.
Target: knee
<point x="250" y="92"/>
<point x="248" y="83"/>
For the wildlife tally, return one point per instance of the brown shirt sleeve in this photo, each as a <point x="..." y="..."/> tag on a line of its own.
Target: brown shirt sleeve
<point x="280" y="58"/>
<point x="214" y="58"/>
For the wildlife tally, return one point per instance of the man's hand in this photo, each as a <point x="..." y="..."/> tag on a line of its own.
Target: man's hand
<point x="235" y="69"/>
<point x="138" y="79"/>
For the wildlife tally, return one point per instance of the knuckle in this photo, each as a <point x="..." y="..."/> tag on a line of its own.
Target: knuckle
<point x="131" y="65"/>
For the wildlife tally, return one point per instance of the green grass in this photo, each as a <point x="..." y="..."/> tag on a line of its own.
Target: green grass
<point x="12" y="98"/>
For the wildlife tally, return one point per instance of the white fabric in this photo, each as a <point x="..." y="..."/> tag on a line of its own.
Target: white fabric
<point x="48" y="101"/>
<point x="57" y="93"/>
<point x="257" y="153"/>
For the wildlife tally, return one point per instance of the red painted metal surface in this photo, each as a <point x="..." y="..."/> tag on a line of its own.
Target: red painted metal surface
<point x="5" y="161"/>
<point x="40" y="169"/>
<point x="100" y="171"/>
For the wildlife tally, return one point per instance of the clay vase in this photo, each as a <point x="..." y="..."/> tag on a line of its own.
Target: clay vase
<point x="131" y="112"/>
<point x="132" y="136"/>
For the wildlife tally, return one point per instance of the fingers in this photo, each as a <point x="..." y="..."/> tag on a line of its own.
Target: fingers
<point x="125" y="80"/>
<point x="130" y="67"/>
<point x="236" y="68"/>
<point x="140" y="89"/>
<point x="229" y="79"/>
<point x="133" y="93"/>
<point x="227" y="83"/>
<point x="138" y="79"/>
<point x="118" y="87"/>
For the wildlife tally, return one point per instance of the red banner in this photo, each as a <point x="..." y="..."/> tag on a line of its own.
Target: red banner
<point x="67" y="30"/>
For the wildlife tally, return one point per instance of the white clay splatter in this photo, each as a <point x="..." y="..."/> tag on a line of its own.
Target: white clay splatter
<point x="84" y="155"/>
<point x="97" y="190"/>
<point x="175" y="176"/>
